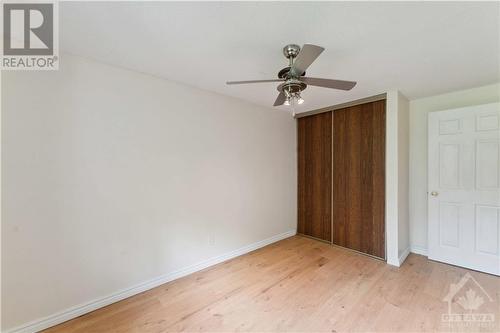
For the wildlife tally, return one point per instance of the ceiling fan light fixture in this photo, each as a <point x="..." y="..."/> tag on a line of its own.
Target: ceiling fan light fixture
<point x="295" y="99"/>
<point x="292" y="96"/>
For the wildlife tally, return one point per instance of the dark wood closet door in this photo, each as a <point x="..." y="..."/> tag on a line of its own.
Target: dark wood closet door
<point x="359" y="178"/>
<point x="314" y="134"/>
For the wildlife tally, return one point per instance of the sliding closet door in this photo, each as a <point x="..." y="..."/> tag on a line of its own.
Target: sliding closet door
<point x="314" y="134"/>
<point x="359" y="178"/>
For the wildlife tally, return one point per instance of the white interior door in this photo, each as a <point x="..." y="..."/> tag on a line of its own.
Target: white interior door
<point x="464" y="187"/>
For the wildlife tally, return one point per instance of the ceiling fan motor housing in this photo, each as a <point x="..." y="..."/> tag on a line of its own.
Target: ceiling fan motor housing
<point x="282" y="74"/>
<point x="291" y="87"/>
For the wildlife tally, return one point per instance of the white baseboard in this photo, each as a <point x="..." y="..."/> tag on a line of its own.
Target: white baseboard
<point x="418" y="250"/>
<point x="73" y="312"/>
<point x="403" y="256"/>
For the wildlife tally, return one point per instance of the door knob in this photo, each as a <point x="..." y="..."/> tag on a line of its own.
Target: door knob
<point x="434" y="193"/>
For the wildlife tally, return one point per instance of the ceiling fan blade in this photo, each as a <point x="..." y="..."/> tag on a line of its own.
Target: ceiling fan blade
<point x="306" y="57"/>
<point x="253" y="81"/>
<point x="328" y="83"/>
<point x="280" y="99"/>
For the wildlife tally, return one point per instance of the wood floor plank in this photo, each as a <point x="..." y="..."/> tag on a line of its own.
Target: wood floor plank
<point x="298" y="285"/>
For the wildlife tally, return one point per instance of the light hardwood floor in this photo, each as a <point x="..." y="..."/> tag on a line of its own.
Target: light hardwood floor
<point x="299" y="284"/>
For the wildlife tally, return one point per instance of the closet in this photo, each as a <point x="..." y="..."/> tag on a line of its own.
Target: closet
<point x="341" y="177"/>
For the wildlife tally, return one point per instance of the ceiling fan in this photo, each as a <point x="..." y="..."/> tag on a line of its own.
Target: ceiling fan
<point x="293" y="79"/>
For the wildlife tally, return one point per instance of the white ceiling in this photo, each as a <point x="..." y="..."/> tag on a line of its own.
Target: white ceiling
<point x="420" y="48"/>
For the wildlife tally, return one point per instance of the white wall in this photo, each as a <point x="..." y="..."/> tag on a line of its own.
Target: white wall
<point x="396" y="178"/>
<point x="391" y="178"/>
<point x="403" y="177"/>
<point x="419" y="108"/>
<point x="112" y="178"/>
